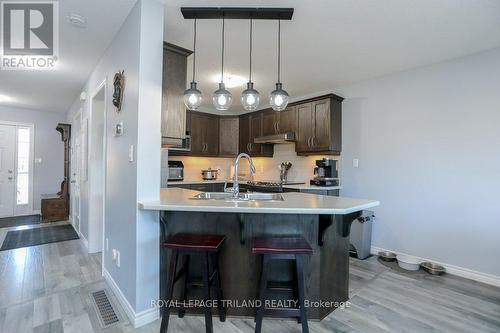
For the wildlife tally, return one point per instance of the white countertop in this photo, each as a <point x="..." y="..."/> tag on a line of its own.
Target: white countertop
<point x="178" y="199"/>
<point x="304" y="187"/>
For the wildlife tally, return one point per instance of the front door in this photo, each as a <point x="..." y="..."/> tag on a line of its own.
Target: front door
<point x="7" y="172"/>
<point x="75" y="180"/>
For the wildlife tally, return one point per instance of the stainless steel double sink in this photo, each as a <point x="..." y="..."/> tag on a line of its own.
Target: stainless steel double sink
<point x="252" y="196"/>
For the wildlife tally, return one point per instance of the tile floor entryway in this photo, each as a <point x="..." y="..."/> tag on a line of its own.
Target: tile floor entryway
<point x="46" y="288"/>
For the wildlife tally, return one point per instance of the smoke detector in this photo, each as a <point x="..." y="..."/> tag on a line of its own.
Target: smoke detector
<point x="76" y="20"/>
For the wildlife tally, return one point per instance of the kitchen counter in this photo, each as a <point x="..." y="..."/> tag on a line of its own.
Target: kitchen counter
<point x="178" y="199"/>
<point x="323" y="221"/>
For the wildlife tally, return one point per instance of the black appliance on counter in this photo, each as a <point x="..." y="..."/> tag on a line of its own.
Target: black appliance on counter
<point x="175" y="170"/>
<point x="326" y="173"/>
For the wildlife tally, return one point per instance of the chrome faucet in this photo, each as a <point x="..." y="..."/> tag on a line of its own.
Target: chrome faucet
<point x="235" y="190"/>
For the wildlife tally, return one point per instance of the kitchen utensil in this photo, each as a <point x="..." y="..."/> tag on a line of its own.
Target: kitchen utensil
<point x="210" y="174"/>
<point x="284" y="168"/>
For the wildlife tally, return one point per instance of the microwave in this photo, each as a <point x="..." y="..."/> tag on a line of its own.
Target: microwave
<point x="178" y="144"/>
<point x="175" y="170"/>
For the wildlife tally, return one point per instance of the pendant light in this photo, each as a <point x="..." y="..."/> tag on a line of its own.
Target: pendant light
<point x="250" y="97"/>
<point x="279" y="97"/>
<point x="192" y="96"/>
<point x="222" y="98"/>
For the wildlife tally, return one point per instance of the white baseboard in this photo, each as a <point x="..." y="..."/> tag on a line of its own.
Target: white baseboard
<point x="452" y="269"/>
<point x="137" y="319"/>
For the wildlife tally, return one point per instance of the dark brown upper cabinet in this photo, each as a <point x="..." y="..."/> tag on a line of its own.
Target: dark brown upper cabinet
<point x="173" y="115"/>
<point x="251" y="128"/>
<point x="274" y="122"/>
<point x="319" y="126"/>
<point x="204" y="134"/>
<point x="228" y="136"/>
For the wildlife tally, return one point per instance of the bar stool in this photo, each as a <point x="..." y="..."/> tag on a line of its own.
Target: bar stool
<point x="285" y="248"/>
<point x="187" y="245"/>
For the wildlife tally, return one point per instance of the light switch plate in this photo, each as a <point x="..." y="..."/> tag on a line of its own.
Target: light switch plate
<point x="355" y="163"/>
<point x="131" y="153"/>
<point x="119" y="129"/>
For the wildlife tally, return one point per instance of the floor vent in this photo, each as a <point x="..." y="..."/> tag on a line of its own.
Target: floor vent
<point x="105" y="311"/>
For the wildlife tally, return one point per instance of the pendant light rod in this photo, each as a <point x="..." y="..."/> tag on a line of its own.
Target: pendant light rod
<point x="194" y="50"/>
<point x="222" y="66"/>
<point x="251" y="42"/>
<point x="279" y="50"/>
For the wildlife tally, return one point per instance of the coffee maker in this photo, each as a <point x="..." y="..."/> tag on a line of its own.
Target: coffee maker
<point x="326" y="173"/>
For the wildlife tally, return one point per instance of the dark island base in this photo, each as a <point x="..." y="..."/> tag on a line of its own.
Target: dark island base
<point x="326" y="271"/>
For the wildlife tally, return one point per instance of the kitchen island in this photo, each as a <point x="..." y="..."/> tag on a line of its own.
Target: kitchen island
<point x="324" y="221"/>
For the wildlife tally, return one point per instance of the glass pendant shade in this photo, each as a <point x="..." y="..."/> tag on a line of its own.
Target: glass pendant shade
<point x="192" y="97"/>
<point x="279" y="98"/>
<point x="222" y="98"/>
<point x="250" y="98"/>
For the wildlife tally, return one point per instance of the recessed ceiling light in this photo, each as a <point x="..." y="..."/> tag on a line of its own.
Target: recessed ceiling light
<point x="230" y="80"/>
<point x="4" y="98"/>
<point x="76" y="20"/>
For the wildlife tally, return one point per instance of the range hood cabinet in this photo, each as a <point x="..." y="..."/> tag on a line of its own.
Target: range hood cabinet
<point x="277" y="138"/>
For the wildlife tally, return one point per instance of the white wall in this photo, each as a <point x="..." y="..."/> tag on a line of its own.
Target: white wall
<point x="138" y="49"/>
<point x="428" y="142"/>
<point x="48" y="175"/>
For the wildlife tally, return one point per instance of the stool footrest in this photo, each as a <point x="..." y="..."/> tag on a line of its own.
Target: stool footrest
<point x="281" y="312"/>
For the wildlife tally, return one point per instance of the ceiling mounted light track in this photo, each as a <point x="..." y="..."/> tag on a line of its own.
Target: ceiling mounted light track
<point x="192" y="96"/>
<point x="237" y="13"/>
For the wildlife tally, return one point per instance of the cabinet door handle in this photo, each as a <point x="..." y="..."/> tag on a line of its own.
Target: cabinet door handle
<point x="314" y="141"/>
<point x="309" y="142"/>
<point x="278" y="127"/>
<point x="251" y="146"/>
<point x="248" y="147"/>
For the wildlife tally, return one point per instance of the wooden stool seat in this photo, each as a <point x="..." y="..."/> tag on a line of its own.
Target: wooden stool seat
<point x="284" y="245"/>
<point x="210" y="243"/>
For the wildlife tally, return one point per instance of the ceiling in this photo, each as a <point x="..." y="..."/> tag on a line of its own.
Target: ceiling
<point x="329" y="43"/>
<point x="79" y="51"/>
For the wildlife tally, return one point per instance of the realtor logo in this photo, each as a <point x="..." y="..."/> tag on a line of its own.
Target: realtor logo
<point x="30" y="36"/>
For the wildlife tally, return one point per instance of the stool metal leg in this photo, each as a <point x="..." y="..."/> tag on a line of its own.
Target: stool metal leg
<point x="206" y="293"/>
<point x="300" y="280"/>
<point x="170" y="290"/>
<point x="218" y="287"/>
<point x="185" y="266"/>
<point x="262" y="293"/>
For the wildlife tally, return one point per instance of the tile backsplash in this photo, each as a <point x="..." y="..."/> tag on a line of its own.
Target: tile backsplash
<point x="267" y="168"/>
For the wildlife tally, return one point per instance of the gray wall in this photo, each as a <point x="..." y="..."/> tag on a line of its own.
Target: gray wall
<point x="138" y="49"/>
<point x="48" y="175"/>
<point x="428" y="144"/>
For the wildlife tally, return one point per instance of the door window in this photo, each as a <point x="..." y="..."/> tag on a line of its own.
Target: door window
<point x="23" y="164"/>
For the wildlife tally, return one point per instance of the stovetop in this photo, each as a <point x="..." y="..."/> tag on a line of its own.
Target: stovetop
<point x="269" y="186"/>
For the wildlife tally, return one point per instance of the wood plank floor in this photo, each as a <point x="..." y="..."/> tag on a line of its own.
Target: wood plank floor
<point x="46" y="289"/>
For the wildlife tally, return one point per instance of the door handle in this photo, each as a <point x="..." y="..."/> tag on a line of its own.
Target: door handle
<point x="278" y="128"/>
